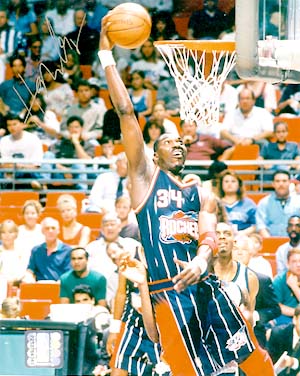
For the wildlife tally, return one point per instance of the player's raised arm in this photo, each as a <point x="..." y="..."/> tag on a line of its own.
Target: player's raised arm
<point x="131" y="132"/>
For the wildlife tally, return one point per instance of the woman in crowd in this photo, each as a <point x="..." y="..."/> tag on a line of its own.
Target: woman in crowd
<point x="149" y="62"/>
<point x="50" y="43"/>
<point x="30" y="232"/>
<point x="12" y="261"/>
<point x="160" y="115"/>
<point x="72" y="232"/>
<point x="57" y="94"/>
<point x="163" y="26"/>
<point x="152" y="130"/>
<point x="72" y="73"/>
<point x="140" y="97"/>
<point x="22" y="18"/>
<point x="240" y="209"/>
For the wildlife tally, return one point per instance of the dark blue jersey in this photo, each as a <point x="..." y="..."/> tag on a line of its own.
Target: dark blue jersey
<point x="168" y="222"/>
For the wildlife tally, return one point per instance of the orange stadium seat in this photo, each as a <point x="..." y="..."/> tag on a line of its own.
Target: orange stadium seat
<point x="104" y="94"/>
<point x="17" y="198"/>
<point x="11" y="212"/>
<point x="269" y="248"/>
<point x="40" y="290"/>
<point x="35" y="309"/>
<point x="271" y="244"/>
<point x="256" y="197"/>
<point x="95" y="234"/>
<point x="142" y="121"/>
<point x="8" y="72"/>
<point x="154" y="95"/>
<point x="51" y="198"/>
<point x="92" y="220"/>
<point x="181" y="24"/>
<point x="50" y="212"/>
<point x="86" y="71"/>
<point x="245" y="152"/>
<point x="272" y="260"/>
<point x="119" y="148"/>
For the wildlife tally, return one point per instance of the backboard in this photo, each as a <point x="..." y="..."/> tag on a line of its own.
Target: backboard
<point x="268" y="40"/>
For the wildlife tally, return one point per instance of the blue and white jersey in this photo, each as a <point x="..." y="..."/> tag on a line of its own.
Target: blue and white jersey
<point x="168" y="222"/>
<point x="242" y="213"/>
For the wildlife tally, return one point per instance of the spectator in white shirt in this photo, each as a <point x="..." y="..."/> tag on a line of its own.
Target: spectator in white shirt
<point x="62" y="17"/>
<point x="24" y="145"/>
<point x="247" y="124"/>
<point x="108" y="186"/>
<point x="265" y="94"/>
<point x="100" y="261"/>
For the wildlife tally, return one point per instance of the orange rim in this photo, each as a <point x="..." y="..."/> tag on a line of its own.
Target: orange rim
<point x="200" y="45"/>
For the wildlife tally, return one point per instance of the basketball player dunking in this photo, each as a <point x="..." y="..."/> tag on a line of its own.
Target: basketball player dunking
<point x="200" y="329"/>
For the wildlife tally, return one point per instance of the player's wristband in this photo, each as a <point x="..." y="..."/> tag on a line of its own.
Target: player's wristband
<point x="209" y="238"/>
<point x="115" y="326"/>
<point x="255" y="317"/>
<point x="201" y="262"/>
<point x="295" y="364"/>
<point x="106" y="58"/>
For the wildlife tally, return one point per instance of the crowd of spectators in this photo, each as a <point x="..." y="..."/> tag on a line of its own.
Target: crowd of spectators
<point x="50" y="109"/>
<point x="46" y="45"/>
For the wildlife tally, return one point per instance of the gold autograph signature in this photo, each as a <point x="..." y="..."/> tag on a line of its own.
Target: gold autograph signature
<point x="61" y="47"/>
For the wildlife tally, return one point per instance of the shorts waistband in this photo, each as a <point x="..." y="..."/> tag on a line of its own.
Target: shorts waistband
<point x="161" y="285"/>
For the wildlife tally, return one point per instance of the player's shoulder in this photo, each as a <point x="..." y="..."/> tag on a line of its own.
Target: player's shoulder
<point x="206" y="193"/>
<point x="252" y="276"/>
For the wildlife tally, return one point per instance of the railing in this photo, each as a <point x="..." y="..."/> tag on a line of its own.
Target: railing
<point x="254" y="174"/>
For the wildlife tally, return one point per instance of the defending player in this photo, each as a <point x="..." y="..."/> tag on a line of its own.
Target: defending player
<point x="200" y="329"/>
<point x="133" y="353"/>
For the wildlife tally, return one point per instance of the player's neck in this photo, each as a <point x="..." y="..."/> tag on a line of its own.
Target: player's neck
<point x="225" y="269"/>
<point x="175" y="175"/>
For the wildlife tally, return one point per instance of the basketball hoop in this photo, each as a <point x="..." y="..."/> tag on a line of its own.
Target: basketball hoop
<point x="199" y="88"/>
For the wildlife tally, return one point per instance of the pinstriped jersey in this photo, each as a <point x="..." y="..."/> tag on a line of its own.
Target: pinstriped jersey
<point x="241" y="277"/>
<point x="168" y="222"/>
<point x="130" y="313"/>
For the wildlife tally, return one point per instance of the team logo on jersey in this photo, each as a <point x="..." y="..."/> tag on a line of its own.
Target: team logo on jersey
<point x="180" y="227"/>
<point x="238" y="340"/>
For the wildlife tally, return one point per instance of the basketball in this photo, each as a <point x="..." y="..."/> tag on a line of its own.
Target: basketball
<point x="130" y="25"/>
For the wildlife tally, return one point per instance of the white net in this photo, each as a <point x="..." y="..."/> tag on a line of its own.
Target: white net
<point x="199" y="91"/>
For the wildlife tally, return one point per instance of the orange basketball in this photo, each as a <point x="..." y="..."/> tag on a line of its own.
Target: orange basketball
<point x="130" y="25"/>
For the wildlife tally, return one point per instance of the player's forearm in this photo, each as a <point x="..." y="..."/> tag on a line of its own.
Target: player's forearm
<point x="118" y="91"/>
<point x="207" y="224"/>
<point x="119" y="305"/>
<point x="147" y="312"/>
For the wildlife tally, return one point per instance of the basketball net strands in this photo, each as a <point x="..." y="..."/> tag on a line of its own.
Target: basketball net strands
<point x="199" y="88"/>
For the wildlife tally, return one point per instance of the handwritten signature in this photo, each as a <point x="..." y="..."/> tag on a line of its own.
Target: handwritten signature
<point x="61" y="47"/>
